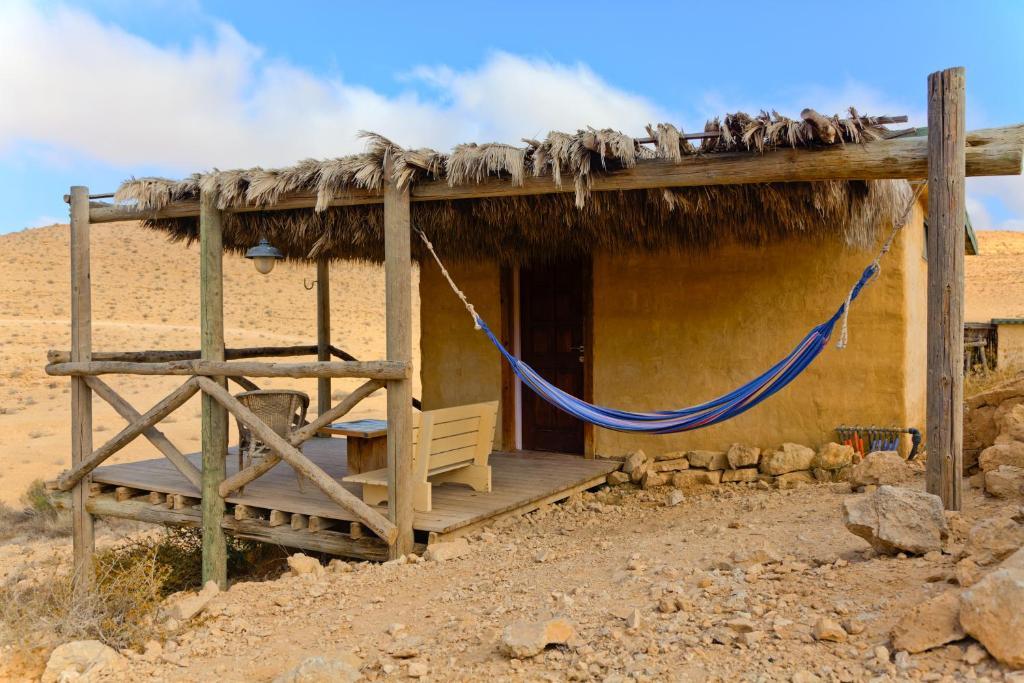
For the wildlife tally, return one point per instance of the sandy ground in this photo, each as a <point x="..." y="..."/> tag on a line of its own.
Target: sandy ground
<point x="146" y="296"/>
<point x="995" y="277"/>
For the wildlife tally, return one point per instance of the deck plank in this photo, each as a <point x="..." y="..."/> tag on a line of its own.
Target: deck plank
<point x="519" y="479"/>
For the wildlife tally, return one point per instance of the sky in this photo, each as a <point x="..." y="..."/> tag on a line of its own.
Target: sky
<point x="94" y="92"/>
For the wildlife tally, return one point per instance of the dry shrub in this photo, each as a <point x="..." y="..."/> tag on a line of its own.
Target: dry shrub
<point x="980" y="380"/>
<point x="39" y="517"/>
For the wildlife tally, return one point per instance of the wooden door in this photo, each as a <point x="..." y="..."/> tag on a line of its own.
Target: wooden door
<point x="551" y="331"/>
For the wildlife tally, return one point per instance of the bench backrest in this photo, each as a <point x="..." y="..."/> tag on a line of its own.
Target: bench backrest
<point x="451" y="436"/>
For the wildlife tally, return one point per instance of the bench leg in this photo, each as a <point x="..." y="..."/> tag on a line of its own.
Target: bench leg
<point x="374" y="494"/>
<point x="477" y="477"/>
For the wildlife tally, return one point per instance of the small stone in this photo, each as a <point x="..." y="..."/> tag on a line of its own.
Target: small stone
<point x="185" y="606"/>
<point x="741" y="455"/>
<point x="528" y="639"/>
<point x="633" y="620"/>
<point x="618" y="478"/>
<point x="652" y="479"/>
<point x="668" y="605"/>
<point x="80" y="660"/>
<point x="829" y="629"/>
<point x="975" y="654"/>
<point x="740" y="625"/>
<point x="674" y="497"/>
<point x="688" y="479"/>
<point x="406" y="647"/>
<point x="896" y="519"/>
<point x="320" y="670"/>
<point x="741" y="475"/>
<point x="443" y="551"/>
<point x="930" y="624"/>
<point x="791" y="457"/>
<point x="339" y="566"/>
<point x="300" y="564"/>
<point x="417" y="669"/>
<point x="636" y="465"/>
<point x="709" y="460"/>
<point x="542" y="555"/>
<point x="395" y="629"/>
<point x="792" y="480"/>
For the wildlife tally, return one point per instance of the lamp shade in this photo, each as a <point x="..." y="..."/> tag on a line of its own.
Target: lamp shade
<point x="264" y="255"/>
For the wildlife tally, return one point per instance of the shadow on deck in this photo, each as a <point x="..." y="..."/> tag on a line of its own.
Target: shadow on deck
<point x="272" y="509"/>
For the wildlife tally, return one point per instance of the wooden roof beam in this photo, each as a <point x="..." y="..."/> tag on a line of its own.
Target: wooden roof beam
<point x="990" y="152"/>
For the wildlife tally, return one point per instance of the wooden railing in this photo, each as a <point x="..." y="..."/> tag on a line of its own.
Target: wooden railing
<point x="200" y="374"/>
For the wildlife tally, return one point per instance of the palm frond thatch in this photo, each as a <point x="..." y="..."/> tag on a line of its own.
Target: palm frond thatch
<point x="545" y="226"/>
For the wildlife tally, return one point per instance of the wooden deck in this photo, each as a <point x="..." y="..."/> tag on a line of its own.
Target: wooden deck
<point x="522" y="481"/>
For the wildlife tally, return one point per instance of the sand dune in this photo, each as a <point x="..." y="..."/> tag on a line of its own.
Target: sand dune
<point x="146" y="296"/>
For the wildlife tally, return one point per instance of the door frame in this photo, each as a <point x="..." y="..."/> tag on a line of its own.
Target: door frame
<point x="511" y="387"/>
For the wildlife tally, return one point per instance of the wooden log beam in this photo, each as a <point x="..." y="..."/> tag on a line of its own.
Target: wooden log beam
<point x="991" y="151"/>
<point x="398" y="316"/>
<point x="155" y="436"/>
<point x="214" y="430"/>
<point x="165" y="356"/>
<point x="946" y="213"/>
<point x="302" y="465"/>
<point x="323" y="332"/>
<point x="375" y="369"/>
<point x="257" y="470"/>
<point x="170" y="403"/>
<point x="83" y="535"/>
<point x="330" y="542"/>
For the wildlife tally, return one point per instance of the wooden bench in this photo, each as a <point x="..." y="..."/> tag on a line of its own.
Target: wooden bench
<point x="449" y="445"/>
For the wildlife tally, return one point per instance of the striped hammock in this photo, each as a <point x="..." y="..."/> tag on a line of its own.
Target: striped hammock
<point x="706" y="414"/>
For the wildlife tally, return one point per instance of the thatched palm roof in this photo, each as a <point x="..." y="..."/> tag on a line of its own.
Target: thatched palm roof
<point x="543" y="226"/>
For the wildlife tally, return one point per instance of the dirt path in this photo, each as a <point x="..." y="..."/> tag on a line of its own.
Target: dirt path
<point x="595" y="560"/>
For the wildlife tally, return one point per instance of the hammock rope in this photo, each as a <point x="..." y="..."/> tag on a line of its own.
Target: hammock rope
<point x="720" y="409"/>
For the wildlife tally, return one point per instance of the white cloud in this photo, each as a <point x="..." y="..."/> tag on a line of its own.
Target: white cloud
<point x="74" y="83"/>
<point x="1007" y="191"/>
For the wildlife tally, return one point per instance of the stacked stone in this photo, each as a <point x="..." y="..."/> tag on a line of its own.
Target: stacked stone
<point x="789" y="466"/>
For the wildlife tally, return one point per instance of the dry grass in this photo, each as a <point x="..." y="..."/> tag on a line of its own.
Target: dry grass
<point x="978" y="381"/>
<point x="121" y="607"/>
<point x="38" y="517"/>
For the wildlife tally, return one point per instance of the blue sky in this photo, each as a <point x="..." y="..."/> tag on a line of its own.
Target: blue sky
<point x="94" y="92"/>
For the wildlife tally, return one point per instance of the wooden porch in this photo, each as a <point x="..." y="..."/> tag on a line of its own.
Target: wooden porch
<point x="273" y="509"/>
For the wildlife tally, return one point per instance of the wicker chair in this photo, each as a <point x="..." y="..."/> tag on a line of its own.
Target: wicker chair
<point x="282" y="410"/>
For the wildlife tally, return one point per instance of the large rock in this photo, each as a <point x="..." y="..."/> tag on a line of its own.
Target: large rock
<point x="80" y="658"/>
<point x="833" y="456"/>
<point x="1005" y="481"/>
<point x="880" y="468"/>
<point x="992" y="611"/>
<point x="791" y="457"/>
<point x="792" y="480"/>
<point x="321" y="670"/>
<point x="897" y="520"/>
<point x="994" y="538"/>
<point x="300" y="564"/>
<point x="930" y="624"/>
<point x="741" y="455"/>
<point x="746" y="474"/>
<point x="1006" y="453"/>
<point x="990" y="415"/>
<point x="709" y="460"/>
<point x="528" y="639"/>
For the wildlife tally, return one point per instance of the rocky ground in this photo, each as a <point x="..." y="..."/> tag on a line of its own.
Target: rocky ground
<point x="732" y="582"/>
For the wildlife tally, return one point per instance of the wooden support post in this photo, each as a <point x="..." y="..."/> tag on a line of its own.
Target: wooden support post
<point x="215" y="417"/>
<point x="946" y="219"/>
<point x="323" y="332"/>
<point x="81" y="395"/>
<point x="398" y="303"/>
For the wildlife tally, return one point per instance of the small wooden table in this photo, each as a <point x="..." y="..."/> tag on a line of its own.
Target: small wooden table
<point x="367" y="445"/>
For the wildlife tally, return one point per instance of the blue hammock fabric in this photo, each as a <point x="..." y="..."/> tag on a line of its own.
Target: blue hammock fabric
<point x="704" y="415"/>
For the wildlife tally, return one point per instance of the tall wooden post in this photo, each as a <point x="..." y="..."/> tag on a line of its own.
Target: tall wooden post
<point x="323" y="332"/>
<point x="946" y="219"/>
<point x="81" y="394"/>
<point x="215" y="417"/>
<point x="398" y="301"/>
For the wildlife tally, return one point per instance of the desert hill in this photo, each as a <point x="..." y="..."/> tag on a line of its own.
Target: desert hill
<point x="146" y="296"/>
<point x="995" y="277"/>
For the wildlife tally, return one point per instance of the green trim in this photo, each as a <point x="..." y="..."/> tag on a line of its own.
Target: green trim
<point x="1008" y="321"/>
